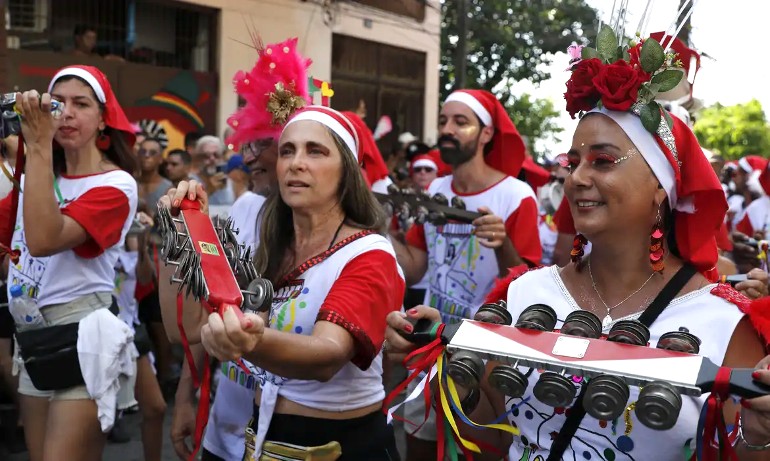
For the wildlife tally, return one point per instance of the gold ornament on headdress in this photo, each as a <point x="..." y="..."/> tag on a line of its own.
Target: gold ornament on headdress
<point x="282" y="103"/>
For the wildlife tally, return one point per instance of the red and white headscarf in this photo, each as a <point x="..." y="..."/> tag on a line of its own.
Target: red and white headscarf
<point x="335" y="121"/>
<point x="508" y="148"/>
<point x="368" y="154"/>
<point x="694" y="192"/>
<point x="113" y="114"/>
<point x="752" y="163"/>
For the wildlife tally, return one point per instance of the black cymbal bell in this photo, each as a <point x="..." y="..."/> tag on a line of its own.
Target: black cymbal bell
<point x="537" y="317"/>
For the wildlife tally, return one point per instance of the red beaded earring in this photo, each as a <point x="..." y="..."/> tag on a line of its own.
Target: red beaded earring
<point x="577" y="249"/>
<point x="103" y="141"/>
<point x="656" y="245"/>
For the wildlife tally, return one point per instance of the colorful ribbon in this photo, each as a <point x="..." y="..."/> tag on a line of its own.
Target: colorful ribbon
<point x="713" y="423"/>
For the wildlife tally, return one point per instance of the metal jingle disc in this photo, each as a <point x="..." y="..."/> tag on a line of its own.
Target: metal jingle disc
<point x="393" y="189"/>
<point x="421" y="215"/>
<point x="250" y="270"/>
<point x="606" y="397"/>
<point x="494" y="313"/>
<point x="407" y="191"/>
<point x="466" y="368"/>
<point x="404" y="211"/>
<point x="658" y="406"/>
<point x="554" y="390"/>
<point x="582" y="323"/>
<point x="167" y="245"/>
<point x="231" y="253"/>
<point x="440" y="199"/>
<point x="422" y="195"/>
<point x="230" y="236"/>
<point x="259" y="296"/>
<point x="202" y="289"/>
<point x="629" y="332"/>
<point x="680" y="341"/>
<point x="508" y="380"/>
<point x="537" y="317"/>
<point x="458" y="202"/>
<point x="437" y="218"/>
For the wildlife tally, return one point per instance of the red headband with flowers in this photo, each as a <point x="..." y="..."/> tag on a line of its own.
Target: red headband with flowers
<point x="622" y="78"/>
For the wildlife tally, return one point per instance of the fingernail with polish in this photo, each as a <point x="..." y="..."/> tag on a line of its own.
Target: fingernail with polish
<point x="746" y="404"/>
<point x="755" y="375"/>
<point x="249" y="323"/>
<point x="176" y="203"/>
<point x="408" y="328"/>
<point x="412" y="311"/>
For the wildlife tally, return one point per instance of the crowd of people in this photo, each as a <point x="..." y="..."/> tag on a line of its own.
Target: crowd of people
<point x="611" y="227"/>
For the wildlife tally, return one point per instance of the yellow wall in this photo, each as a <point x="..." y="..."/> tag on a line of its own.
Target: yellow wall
<point x="277" y="20"/>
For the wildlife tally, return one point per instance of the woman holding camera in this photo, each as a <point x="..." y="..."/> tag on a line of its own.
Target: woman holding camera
<point x="336" y="278"/>
<point x="79" y="199"/>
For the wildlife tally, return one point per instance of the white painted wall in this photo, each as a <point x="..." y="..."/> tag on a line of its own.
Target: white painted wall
<point x="277" y="20"/>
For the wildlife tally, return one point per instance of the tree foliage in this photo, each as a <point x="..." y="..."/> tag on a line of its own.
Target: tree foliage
<point x="536" y="119"/>
<point x="507" y="40"/>
<point x="734" y="131"/>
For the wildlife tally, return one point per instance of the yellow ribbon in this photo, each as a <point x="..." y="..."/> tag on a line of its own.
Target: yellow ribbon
<point x="9" y="175"/>
<point x="452" y="389"/>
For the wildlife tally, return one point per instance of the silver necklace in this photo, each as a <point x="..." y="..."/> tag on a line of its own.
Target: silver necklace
<point x="608" y="318"/>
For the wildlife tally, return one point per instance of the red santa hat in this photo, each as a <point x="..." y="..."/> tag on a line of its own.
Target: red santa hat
<point x="751" y="163"/>
<point x="113" y="114"/>
<point x="694" y="192"/>
<point x="369" y="155"/>
<point x="508" y="149"/>
<point x="335" y="121"/>
<point x="536" y="175"/>
<point x="424" y="160"/>
<point x="443" y="168"/>
<point x="764" y="176"/>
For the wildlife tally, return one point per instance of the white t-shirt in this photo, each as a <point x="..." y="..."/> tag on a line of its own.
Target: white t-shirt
<point x="104" y="205"/>
<point x="125" y="287"/>
<point x="756" y="217"/>
<point x="461" y="271"/>
<point x="598" y="440"/>
<point x="244" y="214"/>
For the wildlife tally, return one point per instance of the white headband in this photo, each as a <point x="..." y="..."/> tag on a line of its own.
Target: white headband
<point x="473" y="103"/>
<point x="330" y="122"/>
<point x="652" y="153"/>
<point x="424" y="162"/>
<point x="744" y="164"/>
<point x="85" y="75"/>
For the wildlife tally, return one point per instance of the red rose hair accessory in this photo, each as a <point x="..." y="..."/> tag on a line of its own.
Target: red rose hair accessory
<point x="622" y="78"/>
<point x="274" y="90"/>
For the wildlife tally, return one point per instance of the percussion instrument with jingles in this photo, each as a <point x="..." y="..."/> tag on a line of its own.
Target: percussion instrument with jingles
<point x="611" y="362"/>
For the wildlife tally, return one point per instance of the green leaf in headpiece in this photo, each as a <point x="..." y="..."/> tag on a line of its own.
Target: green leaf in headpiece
<point x="668" y="79"/>
<point x="606" y="43"/>
<point x="651" y="56"/>
<point x="588" y="53"/>
<point x="650" y="115"/>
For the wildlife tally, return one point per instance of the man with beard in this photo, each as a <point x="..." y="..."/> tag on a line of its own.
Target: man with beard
<point x="485" y="152"/>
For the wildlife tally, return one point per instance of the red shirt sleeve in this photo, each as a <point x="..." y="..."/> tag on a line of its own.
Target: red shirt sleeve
<point x="745" y="227"/>
<point x="102" y="212"/>
<point x="563" y="219"/>
<point x="372" y="281"/>
<point x="5" y="216"/>
<point x="521" y="227"/>
<point x="415" y="237"/>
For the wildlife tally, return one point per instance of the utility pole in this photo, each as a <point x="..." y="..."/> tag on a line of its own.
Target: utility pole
<point x="461" y="60"/>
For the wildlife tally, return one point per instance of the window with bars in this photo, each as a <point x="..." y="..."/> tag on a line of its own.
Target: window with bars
<point x="158" y="32"/>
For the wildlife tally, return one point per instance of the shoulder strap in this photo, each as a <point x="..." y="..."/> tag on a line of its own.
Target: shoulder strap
<point x="577" y="413"/>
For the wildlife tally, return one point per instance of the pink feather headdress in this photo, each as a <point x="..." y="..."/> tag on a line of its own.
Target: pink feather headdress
<point x="274" y="89"/>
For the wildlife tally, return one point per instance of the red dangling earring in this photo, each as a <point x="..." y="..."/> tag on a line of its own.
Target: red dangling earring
<point x="577" y="249"/>
<point x="656" y="245"/>
<point x="103" y="141"/>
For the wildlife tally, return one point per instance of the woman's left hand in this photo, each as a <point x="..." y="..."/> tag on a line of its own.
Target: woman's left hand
<point x="756" y="286"/>
<point x="37" y="122"/>
<point x="755" y="417"/>
<point x="231" y="335"/>
<point x="490" y="229"/>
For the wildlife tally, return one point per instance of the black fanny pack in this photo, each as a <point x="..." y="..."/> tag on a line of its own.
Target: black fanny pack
<point x="50" y="356"/>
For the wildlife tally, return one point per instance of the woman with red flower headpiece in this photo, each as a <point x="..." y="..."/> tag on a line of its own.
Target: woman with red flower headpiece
<point x="78" y="202"/>
<point x="643" y="194"/>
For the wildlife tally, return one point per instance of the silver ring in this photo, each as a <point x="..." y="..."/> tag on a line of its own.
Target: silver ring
<point x="385" y="346"/>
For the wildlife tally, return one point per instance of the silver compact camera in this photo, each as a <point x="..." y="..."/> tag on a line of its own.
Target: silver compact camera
<point x="10" y="119"/>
